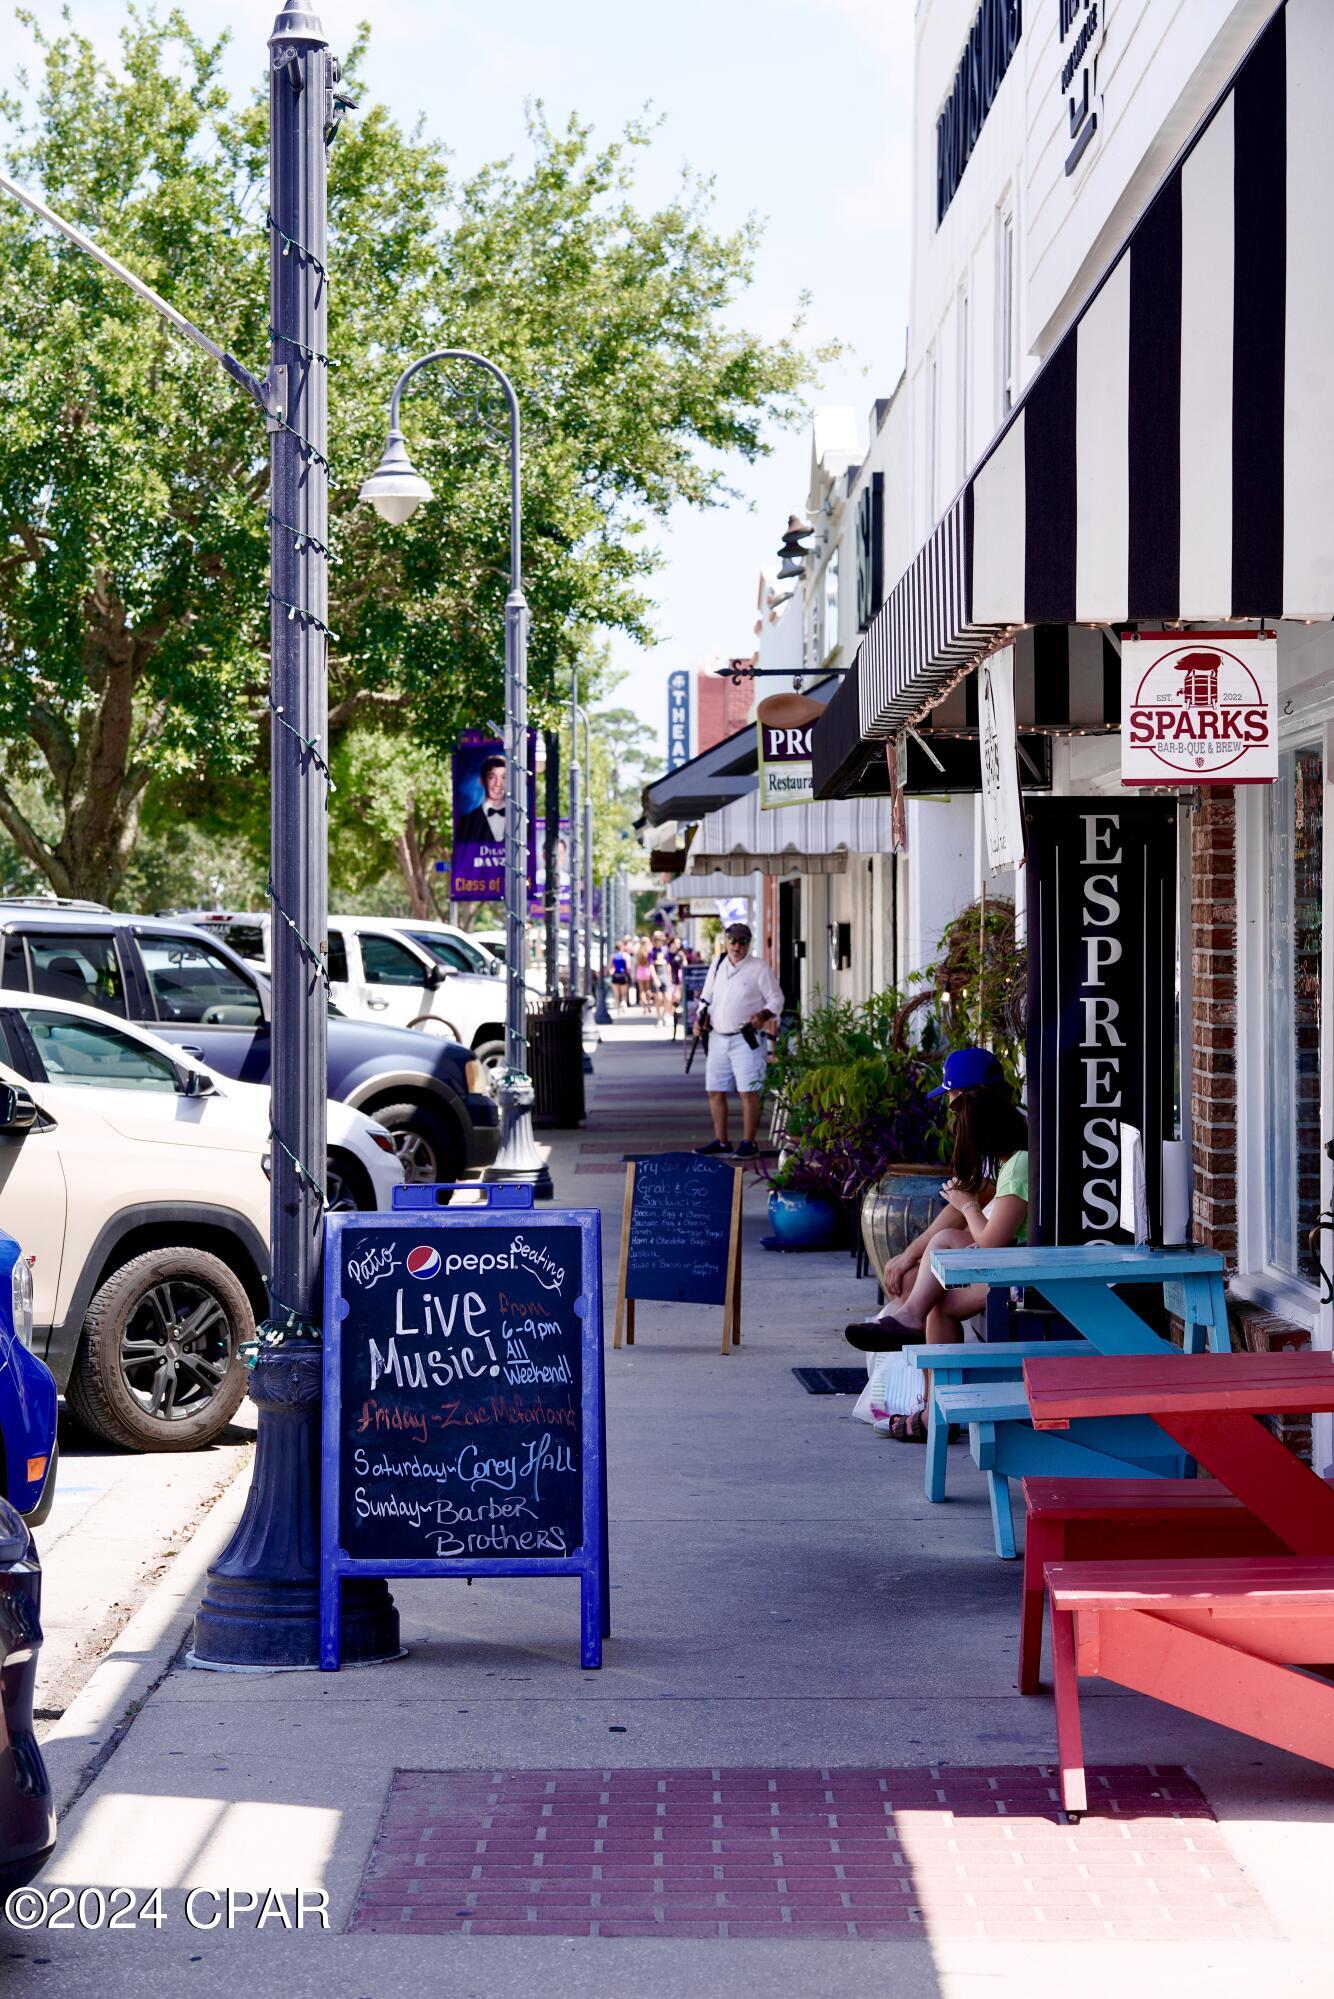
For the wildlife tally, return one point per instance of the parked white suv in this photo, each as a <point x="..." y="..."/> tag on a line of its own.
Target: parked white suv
<point x="377" y="972"/>
<point x="452" y="946"/>
<point x="136" y="1180"/>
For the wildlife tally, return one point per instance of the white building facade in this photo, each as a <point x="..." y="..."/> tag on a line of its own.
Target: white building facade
<point x="1119" y="418"/>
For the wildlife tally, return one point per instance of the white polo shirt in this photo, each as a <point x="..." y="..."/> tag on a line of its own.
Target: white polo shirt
<point x="735" y="992"/>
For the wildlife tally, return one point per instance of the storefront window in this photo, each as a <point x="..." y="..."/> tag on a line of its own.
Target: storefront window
<point x="1295" y="828"/>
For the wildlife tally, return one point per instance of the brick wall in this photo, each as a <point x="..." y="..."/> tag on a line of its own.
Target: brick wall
<point x="1213" y="1076"/>
<point x="721" y="708"/>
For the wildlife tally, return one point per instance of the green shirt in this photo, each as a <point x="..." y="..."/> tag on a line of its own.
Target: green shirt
<point x="1013" y="1179"/>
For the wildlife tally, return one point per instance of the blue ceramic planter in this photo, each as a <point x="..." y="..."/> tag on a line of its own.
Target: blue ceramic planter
<point x="802" y="1221"/>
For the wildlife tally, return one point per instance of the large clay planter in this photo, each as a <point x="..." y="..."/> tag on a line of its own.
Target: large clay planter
<point x="897" y="1208"/>
<point x="802" y="1221"/>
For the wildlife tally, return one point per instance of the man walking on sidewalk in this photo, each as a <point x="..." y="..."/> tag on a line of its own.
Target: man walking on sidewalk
<point x="744" y="1002"/>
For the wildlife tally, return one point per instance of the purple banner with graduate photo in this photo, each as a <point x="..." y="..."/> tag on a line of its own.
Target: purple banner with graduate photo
<point x="481" y="803"/>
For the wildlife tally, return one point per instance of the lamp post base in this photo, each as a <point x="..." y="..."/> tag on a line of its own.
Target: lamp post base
<point x="518" y="1157"/>
<point x="261" y="1605"/>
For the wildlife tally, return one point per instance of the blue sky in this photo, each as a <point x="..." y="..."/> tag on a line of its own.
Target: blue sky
<point x="799" y="110"/>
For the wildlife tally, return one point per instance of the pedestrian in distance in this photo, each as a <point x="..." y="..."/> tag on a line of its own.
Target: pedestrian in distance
<point x="643" y="974"/>
<point x="676" y="964"/>
<point x="661" y="977"/>
<point x="620" y="976"/>
<point x="739" y="1009"/>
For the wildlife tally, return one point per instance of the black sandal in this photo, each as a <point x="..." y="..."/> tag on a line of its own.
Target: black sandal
<point x="909" y="1429"/>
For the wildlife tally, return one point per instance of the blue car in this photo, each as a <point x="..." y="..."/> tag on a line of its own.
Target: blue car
<point x="27" y="1396"/>
<point x="28" y="1483"/>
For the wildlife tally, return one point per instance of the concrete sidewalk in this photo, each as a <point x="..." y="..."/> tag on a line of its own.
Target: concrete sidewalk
<point x="784" y="1601"/>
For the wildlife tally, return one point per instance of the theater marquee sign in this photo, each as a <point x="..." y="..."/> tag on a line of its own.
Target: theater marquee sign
<point x="1199" y="708"/>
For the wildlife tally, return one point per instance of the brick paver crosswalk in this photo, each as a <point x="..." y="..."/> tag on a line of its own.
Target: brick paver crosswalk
<point x="872" y="1854"/>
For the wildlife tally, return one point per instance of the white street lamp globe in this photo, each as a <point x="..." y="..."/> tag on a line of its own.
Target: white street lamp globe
<point x="395" y="489"/>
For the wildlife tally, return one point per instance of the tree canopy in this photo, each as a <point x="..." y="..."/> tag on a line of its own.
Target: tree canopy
<point x="133" y="616"/>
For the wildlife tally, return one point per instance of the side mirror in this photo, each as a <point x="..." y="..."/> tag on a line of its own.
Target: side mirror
<point x="194" y="1083"/>
<point x="435" y="976"/>
<point x="18" y="1112"/>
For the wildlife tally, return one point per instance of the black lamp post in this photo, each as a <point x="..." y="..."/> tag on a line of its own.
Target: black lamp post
<point x="576" y="833"/>
<point x="261" y="1605"/>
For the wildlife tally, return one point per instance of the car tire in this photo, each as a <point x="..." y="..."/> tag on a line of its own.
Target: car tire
<point x="110" y="1392"/>
<point x="491" y="1053"/>
<point x="427" y="1149"/>
<point x="347" y="1184"/>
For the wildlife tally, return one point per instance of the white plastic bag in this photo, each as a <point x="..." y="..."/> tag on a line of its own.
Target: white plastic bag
<point x="895" y="1388"/>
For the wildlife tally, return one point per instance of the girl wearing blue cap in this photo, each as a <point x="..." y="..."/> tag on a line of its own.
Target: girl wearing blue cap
<point x="986" y="1205"/>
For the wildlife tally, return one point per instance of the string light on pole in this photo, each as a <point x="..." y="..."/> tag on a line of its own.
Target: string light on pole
<point x="261" y="1606"/>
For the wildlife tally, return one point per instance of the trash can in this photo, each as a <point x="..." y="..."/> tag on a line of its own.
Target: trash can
<point x="556" y="1060"/>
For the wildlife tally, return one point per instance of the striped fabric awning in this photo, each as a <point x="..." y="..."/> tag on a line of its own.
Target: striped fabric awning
<point x="924" y="628"/>
<point x="1174" y="457"/>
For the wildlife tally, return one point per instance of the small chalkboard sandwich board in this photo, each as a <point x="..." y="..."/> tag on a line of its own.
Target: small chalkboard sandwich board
<point x="681" y="1238"/>
<point x="464" y="1422"/>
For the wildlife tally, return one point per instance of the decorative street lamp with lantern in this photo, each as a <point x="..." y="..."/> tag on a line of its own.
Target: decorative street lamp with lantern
<point x="396" y="489"/>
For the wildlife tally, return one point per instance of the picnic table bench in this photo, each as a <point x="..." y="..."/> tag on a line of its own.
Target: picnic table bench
<point x="1090" y="1519"/>
<point x="1077" y="1282"/>
<point x="972" y="1361"/>
<point x="1213" y="1634"/>
<point x="1004" y="1446"/>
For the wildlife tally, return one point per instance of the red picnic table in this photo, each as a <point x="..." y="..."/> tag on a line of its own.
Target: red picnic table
<point x="1216" y="1635"/>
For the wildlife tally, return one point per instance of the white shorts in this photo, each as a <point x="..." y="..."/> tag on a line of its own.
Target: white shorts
<point x="731" y="1065"/>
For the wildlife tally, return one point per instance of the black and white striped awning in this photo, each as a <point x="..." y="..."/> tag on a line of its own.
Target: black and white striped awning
<point x="1174" y="457"/>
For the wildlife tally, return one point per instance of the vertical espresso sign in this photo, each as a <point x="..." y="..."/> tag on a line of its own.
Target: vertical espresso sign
<point x="463" y="1397"/>
<point x="1101" y="1038"/>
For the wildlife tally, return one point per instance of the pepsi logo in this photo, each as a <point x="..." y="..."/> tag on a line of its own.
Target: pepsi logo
<point x="423" y="1261"/>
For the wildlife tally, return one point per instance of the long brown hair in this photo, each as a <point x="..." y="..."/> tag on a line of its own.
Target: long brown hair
<point x="988" y="1127"/>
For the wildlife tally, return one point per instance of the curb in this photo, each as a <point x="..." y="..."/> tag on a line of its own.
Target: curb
<point x="101" y="1714"/>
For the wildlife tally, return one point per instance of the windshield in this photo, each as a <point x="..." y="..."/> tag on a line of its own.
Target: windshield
<point x="456" y="952"/>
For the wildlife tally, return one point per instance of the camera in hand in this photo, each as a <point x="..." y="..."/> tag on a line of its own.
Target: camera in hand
<point x="749" y="1036"/>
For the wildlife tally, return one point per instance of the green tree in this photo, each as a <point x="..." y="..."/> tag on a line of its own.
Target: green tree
<point x="133" y="615"/>
<point x="392" y="811"/>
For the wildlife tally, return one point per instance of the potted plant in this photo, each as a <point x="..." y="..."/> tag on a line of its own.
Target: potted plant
<point x="803" y="1208"/>
<point x="853" y="1094"/>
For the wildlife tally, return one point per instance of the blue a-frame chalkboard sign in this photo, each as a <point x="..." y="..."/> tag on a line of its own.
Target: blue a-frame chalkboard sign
<point x="464" y="1415"/>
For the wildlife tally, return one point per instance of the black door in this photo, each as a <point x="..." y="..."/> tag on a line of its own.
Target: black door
<point x="789" y="947"/>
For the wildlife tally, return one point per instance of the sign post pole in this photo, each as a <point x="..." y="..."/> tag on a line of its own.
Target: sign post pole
<point x="576" y="822"/>
<point x="261" y="1602"/>
<point x="550" y="869"/>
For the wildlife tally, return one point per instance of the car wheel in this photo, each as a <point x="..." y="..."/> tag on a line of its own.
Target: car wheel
<point x="346" y="1185"/>
<point x="159" y="1367"/>
<point x="491" y="1054"/>
<point x="428" y="1151"/>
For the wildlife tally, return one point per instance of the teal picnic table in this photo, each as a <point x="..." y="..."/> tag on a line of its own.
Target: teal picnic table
<point x="981" y="1385"/>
